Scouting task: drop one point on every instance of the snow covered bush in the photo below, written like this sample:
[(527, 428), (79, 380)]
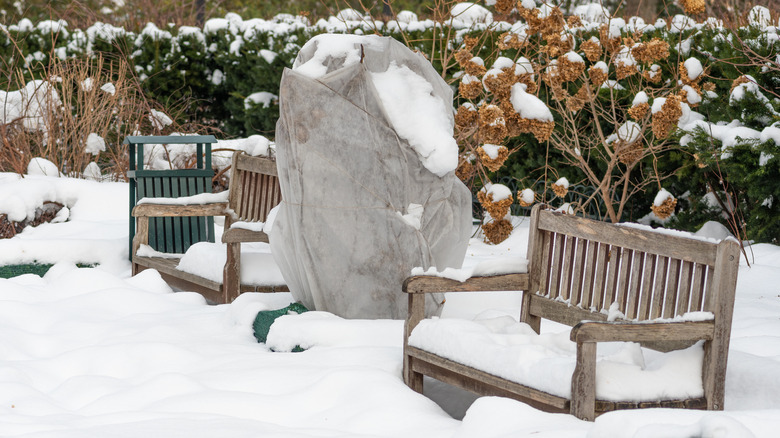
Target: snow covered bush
[(76, 117), (619, 107)]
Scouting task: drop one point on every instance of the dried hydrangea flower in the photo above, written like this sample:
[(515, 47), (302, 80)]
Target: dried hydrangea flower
[(467, 116), (465, 170), (663, 205), (666, 113), (592, 49), (470, 87), (497, 231), (492, 156), (693, 7), (561, 187)]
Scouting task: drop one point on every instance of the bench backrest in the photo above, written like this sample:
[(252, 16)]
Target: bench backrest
[(171, 234), (582, 267), (254, 187)]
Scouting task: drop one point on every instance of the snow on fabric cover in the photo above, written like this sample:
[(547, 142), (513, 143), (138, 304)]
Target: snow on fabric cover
[(368, 191), (506, 348)]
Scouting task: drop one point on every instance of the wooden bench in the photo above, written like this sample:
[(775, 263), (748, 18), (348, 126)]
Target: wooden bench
[(253, 192), (577, 269)]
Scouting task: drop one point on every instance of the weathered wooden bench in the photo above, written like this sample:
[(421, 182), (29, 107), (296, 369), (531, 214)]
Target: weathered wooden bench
[(578, 269), (253, 192)]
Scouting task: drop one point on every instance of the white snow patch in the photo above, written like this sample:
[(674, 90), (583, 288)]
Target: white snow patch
[(418, 116), (529, 106)]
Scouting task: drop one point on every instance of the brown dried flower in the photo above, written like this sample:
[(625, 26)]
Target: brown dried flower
[(592, 49), (466, 117), (597, 76), (574, 21), (500, 84), (463, 56), (576, 102), (665, 120), (475, 67), (493, 164), (497, 231), (470, 87), (653, 75), (693, 6), (738, 81), (465, 170), (570, 66), (469, 43), (497, 210), (624, 70), (560, 190), (651, 51), (509, 40), (504, 7), (492, 125), (638, 112), (490, 114), (666, 209), (541, 130), (708, 86), (628, 153), (528, 80)]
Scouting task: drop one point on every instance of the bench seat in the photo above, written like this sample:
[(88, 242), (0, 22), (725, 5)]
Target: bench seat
[(513, 351)]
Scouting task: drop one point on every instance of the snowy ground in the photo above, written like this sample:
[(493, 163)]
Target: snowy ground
[(95, 352)]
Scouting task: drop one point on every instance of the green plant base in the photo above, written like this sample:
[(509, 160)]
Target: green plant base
[(264, 319), (39, 269)]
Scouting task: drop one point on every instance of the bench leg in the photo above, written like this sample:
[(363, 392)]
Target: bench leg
[(412, 379), (583, 382), (415, 314), (714, 375), (231, 277)]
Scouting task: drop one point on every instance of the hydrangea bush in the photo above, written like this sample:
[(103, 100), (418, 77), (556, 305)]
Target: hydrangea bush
[(625, 110)]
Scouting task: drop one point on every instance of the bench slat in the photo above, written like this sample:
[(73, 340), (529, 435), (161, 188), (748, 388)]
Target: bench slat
[(556, 266), (429, 284), (589, 269), (659, 287), (561, 312), (568, 268), (698, 286), (647, 286), (600, 280), (633, 238), (577, 275), (623, 278), (707, 305), (610, 291), (634, 285), (684, 292), (546, 243), (672, 287)]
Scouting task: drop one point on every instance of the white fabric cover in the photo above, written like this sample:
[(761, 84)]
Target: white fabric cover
[(340, 238)]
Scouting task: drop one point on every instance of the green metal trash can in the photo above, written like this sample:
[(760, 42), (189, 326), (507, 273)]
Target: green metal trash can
[(171, 234)]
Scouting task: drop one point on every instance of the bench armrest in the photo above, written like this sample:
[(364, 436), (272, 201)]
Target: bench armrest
[(599, 331), (239, 235), (170, 210), (421, 284)]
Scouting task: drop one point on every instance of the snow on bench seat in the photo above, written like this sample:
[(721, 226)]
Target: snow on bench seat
[(512, 350)]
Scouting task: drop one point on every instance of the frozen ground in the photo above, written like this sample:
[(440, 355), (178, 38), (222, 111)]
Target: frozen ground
[(94, 352)]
